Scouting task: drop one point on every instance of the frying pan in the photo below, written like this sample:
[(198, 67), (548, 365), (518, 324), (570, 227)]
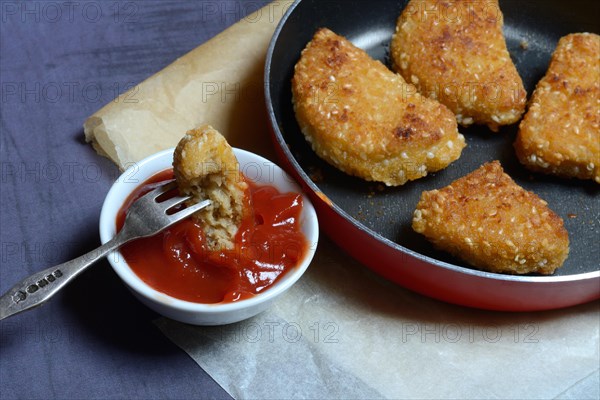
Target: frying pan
[(373, 223)]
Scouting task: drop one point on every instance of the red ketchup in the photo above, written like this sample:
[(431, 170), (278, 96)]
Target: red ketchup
[(268, 244)]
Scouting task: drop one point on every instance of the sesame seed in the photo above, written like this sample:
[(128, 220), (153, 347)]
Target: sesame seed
[(418, 214)]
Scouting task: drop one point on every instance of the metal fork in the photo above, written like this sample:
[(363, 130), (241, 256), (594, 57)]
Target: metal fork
[(146, 217)]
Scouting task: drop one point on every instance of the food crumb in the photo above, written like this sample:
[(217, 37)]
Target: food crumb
[(572, 216), (315, 174), (524, 44), (360, 216)]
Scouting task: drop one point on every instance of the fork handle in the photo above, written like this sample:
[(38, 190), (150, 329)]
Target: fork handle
[(36, 289)]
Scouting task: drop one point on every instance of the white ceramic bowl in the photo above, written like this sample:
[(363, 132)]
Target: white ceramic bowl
[(256, 168)]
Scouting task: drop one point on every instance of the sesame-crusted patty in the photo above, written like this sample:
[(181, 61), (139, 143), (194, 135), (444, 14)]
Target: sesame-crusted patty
[(206, 168), (492, 223), (455, 52), (366, 120), (560, 133)]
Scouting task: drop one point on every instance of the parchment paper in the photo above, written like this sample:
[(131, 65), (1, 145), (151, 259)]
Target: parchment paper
[(219, 83), (341, 332)]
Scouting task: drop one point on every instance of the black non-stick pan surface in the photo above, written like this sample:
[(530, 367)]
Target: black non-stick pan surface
[(532, 30)]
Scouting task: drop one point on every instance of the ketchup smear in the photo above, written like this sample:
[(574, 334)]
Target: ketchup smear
[(268, 244)]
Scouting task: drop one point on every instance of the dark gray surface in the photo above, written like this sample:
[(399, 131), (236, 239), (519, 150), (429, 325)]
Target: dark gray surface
[(388, 211), (59, 63)]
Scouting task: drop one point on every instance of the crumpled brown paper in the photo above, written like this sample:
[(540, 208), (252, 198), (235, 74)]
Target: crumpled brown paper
[(341, 332)]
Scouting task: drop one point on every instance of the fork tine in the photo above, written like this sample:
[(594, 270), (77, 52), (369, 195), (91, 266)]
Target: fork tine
[(172, 202), (170, 185), (186, 212)]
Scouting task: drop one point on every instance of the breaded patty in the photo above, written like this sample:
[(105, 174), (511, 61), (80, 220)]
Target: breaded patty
[(492, 223), (560, 133), (455, 52), (366, 120), (206, 168)]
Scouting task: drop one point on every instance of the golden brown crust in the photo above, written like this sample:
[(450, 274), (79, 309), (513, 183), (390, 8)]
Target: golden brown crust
[(492, 223), (364, 119), (206, 168), (560, 133), (455, 52)]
